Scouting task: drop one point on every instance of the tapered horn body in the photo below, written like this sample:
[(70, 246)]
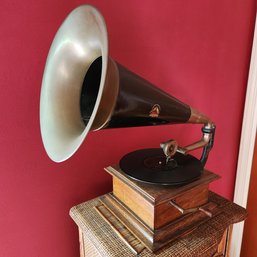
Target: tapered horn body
[(139, 103), (83, 89)]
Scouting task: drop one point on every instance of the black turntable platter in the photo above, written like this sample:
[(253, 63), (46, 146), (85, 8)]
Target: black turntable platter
[(149, 166)]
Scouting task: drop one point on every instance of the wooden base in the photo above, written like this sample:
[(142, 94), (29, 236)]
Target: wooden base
[(99, 237), (157, 215), (155, 239)]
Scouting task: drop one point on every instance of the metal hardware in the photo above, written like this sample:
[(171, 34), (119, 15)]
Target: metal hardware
[(190, 210), (206, 142)]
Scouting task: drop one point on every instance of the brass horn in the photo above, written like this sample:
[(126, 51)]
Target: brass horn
[(83, 89)]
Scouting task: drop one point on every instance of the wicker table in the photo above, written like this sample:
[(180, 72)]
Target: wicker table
[(98, 238)]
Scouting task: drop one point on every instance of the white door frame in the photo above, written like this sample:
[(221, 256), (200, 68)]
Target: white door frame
[(246, 150)]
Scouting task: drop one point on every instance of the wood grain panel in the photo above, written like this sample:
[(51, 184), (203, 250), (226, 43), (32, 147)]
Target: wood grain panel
[(152, 203), (138, 204)]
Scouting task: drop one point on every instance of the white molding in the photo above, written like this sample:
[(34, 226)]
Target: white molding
[(247, 141)]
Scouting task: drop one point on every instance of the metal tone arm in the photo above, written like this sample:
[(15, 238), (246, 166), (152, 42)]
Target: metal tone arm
[(206, 142)]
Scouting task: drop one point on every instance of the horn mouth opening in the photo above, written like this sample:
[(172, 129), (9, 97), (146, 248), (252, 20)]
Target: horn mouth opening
[(73, 82), (90, 89)]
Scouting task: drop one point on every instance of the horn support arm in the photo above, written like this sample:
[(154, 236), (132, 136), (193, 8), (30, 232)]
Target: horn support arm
[(206, 142)]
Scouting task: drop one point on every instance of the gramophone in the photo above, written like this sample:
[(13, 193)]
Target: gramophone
[(84, 90)]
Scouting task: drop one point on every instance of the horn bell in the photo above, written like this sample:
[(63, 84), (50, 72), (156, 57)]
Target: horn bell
[(80, 47)]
